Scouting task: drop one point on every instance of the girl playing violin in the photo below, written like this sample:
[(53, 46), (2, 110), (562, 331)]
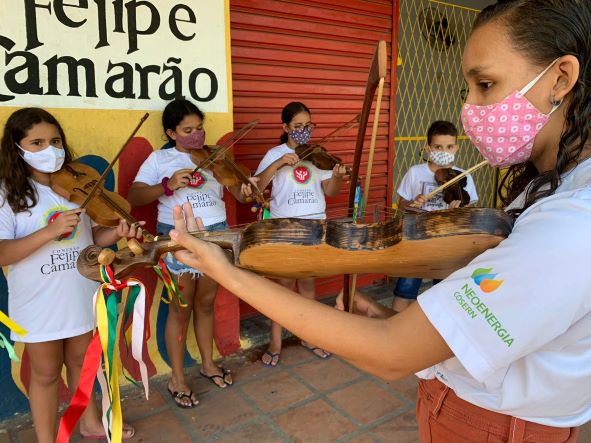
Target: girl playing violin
[(171, 177), (503, 344), (299, 190), (41, 235)]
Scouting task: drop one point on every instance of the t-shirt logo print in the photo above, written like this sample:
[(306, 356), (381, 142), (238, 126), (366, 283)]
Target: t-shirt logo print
[(302, 175), (198, 180), (54, 213), (483, 278)]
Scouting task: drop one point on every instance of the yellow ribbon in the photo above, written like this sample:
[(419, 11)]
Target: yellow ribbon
[(11, 324)]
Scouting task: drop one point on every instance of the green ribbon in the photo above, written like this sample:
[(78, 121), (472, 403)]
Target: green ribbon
[(5, 344)]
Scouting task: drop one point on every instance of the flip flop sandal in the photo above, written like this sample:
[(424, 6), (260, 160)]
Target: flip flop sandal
[(179, 395), (128, 433), (225, 372), (274, 358), (314, 350)]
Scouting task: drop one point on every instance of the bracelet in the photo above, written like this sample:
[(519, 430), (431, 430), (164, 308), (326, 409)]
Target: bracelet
[(167, 191)]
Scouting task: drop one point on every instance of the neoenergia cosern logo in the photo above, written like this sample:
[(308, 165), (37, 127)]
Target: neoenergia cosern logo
[(479, 308), (486, 280)]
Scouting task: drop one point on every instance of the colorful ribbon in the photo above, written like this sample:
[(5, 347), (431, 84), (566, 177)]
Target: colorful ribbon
[(173, 291), (357, 203), (4, 342), (106, 301)]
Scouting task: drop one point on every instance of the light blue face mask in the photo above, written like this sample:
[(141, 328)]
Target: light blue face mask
[(48, 160)]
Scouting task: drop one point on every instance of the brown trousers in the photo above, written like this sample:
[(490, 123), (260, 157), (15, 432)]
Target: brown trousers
[(443, 417)]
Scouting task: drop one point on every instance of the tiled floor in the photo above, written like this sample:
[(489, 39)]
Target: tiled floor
[(303, 399)]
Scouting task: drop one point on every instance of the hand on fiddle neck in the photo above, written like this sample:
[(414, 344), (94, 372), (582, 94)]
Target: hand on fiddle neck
[(245, 192), (332, 187), (207, 257), (104, 236)]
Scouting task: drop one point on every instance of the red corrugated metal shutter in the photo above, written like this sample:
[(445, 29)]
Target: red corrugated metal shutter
[(317, 52)]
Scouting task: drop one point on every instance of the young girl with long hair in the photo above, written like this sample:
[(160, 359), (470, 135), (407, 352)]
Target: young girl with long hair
[(503, 345), (299, 190), (41, 236), (170, 176)]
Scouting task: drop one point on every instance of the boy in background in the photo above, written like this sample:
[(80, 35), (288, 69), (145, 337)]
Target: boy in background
[(441, 149)]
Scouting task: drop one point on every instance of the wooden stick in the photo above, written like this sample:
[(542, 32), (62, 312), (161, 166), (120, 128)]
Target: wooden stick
[(372, 144), (110, 167), (457, 178), (372, 148)]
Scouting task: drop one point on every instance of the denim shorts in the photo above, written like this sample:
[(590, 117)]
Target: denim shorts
[(408, 288), (175, 266)]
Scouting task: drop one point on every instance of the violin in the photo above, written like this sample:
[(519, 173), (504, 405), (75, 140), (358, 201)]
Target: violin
[(456, 191), (427, 245), (75, 181), (220, 161), (83, 185), (319, 156)]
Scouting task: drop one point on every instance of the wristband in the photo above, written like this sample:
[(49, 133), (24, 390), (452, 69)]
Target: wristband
[(167, 191)]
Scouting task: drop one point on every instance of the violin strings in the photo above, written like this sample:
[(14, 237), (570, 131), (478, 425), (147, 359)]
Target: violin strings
[(126, 215)]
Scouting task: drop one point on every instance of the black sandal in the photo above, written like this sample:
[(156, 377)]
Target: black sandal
[(225, 373), (179, 395)]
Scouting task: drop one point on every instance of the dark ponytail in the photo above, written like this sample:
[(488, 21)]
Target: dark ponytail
[(288, 113), (545, 30)]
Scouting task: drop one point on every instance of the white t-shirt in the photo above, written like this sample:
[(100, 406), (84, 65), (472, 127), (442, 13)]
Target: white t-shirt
[(419, 179), (522, 336), (297, 192), (46, 294), (205, 193)]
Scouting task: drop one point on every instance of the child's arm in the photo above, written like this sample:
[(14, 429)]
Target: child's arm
[(109, 236), (419, 201), (332, 186), (13, 251), (267, 175), (142, 193)]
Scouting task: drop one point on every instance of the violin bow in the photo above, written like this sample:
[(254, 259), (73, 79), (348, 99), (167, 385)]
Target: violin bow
[(110, 167), (350, 124), (375, 80), (227, 144), (448, 183), (223, 148)]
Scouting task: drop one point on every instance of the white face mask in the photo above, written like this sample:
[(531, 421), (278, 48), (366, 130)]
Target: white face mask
[(442, 158), (48, 160)]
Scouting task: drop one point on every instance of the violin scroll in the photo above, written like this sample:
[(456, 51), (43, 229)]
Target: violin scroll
[(125, 260)]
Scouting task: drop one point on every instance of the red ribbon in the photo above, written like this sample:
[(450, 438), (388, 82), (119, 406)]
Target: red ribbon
[(92, 361)]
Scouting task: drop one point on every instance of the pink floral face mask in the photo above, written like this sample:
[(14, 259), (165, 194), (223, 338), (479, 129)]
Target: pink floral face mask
[(504, 132), (194, 140)]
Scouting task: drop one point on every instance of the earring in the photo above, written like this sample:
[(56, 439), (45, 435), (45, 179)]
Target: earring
[(555, 102)]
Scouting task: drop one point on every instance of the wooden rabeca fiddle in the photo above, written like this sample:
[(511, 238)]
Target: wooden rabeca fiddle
[(84, 185), (220, 161), (427, 245), (456, 191)]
